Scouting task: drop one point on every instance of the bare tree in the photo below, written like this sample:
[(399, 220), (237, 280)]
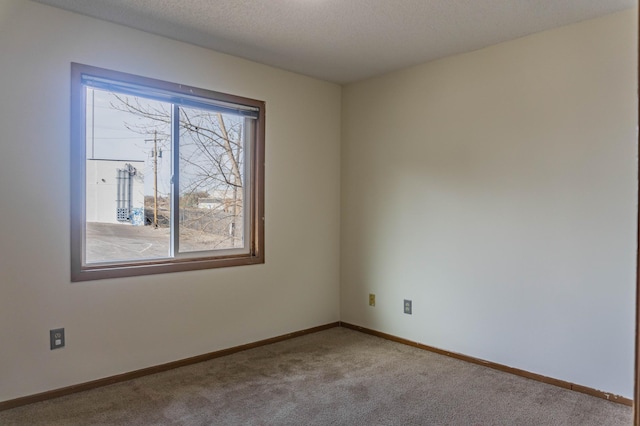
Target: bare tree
[(211, 165)]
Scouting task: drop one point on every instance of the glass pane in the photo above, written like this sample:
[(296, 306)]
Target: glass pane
[(128, 171), (211, 180)]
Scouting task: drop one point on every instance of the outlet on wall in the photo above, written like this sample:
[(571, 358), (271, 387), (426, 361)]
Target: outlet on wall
[(56, 338), (407, 306), (372, 299)]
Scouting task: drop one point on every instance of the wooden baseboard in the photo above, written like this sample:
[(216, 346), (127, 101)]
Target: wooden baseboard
[(523, 373), (13, 403)]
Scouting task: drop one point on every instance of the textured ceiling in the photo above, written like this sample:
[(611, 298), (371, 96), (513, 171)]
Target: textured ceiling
[(343, 40)]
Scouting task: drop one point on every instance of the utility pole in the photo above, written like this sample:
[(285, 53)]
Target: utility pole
[(155, 178)]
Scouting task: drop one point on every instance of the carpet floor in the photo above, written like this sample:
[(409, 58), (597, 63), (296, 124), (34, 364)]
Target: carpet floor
[(334, 377)]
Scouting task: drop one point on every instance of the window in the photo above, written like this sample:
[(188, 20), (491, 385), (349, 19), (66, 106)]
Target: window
[(164, 177)]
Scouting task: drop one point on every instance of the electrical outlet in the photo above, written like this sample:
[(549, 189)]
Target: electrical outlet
[(372, 299), (407, 306), (56, 338)]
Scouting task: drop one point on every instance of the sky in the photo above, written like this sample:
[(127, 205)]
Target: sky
[(108, 137), (116, 131)]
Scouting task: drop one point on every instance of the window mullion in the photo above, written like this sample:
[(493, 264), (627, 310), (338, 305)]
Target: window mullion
[(175, 181)]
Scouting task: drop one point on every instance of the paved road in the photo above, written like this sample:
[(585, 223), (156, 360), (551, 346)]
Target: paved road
[(112, 241)]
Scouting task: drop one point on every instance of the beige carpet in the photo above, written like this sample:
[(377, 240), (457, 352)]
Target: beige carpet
[(334, 377)]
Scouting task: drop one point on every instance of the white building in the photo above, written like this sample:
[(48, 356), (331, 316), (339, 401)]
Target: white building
[(115, 191), (221, 200)]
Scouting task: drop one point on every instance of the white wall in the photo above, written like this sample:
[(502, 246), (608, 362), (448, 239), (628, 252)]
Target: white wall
[(120, 325), (497, 190)]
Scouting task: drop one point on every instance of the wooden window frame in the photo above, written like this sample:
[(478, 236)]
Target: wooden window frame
[(255, 240)]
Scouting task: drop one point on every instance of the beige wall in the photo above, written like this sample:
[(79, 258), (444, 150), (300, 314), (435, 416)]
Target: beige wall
[(119, 325), (497, 190)]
